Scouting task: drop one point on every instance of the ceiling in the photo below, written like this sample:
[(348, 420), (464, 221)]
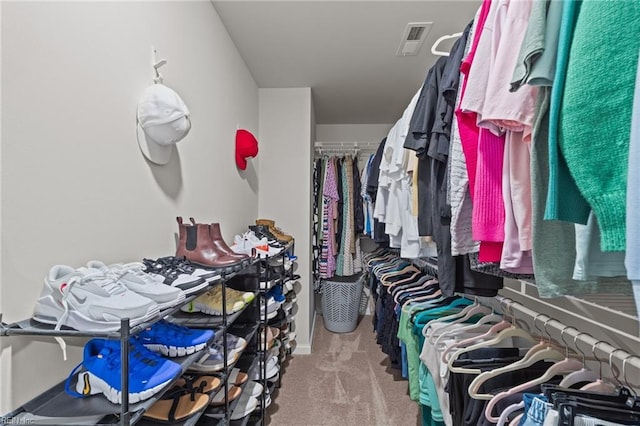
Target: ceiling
[(344, 50)]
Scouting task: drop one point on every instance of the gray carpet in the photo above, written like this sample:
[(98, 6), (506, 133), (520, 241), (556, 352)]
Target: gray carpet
[(345, 381)]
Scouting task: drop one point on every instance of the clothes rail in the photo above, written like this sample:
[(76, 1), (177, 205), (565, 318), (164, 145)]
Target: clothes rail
[(346, 144), (627, 362), (427, 265), (339, 147)]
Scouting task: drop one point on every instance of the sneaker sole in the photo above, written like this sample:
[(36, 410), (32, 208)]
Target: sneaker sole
[(171, 303), (90, 384), (189, 288), (229, 269), (173, 351)]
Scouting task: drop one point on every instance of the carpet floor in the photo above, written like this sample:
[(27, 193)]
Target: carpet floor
[(345, 381)]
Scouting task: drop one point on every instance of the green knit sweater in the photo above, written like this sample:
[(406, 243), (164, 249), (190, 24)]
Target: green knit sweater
[(596, 110)]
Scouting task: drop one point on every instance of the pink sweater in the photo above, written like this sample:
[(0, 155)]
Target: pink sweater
[(483, 151)]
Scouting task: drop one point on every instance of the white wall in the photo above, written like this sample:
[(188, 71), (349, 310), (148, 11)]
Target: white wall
[(75, 186), (286, 136), (352, 132)]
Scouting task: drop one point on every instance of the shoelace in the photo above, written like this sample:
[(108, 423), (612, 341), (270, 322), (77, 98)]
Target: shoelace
[(140, 359), (104, 281), (179, 264), (160, 268), (74, 278), (134, 268)]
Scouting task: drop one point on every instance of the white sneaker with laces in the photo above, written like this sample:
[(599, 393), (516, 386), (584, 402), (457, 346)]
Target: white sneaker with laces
[(248, 241), (88, 300), (132, 275)]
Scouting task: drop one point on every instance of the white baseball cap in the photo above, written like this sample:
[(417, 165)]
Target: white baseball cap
[(163, 120)]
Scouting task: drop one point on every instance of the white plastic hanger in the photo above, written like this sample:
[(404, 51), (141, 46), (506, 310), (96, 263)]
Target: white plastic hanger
[(479, 326), (502, 421), (437, 52), (624, 375), (543, 351), (582, 375), (424, 282), (545, 354), (462, 316), (510, 332), (599, 385), (416, 300), (476, 342), (409, 268), (566, 365), (516, 420)]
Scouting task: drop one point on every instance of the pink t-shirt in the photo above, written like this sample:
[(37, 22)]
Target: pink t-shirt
[(503, 109), (513, 113)]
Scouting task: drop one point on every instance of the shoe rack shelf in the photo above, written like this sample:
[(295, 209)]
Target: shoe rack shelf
[(214, 413), (274, 274), (56, 402)]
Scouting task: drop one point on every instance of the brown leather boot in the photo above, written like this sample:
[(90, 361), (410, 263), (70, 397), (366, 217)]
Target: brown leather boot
[(218, 241), (279, 234), (196, 246)]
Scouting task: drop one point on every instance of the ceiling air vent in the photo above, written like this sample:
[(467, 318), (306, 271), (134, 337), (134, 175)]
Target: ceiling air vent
[(413, 37)]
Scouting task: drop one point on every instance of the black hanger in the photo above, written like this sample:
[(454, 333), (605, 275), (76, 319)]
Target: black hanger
[(569, 410)]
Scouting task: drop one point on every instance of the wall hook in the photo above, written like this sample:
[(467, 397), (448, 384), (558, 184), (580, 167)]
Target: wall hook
[(156, 64)]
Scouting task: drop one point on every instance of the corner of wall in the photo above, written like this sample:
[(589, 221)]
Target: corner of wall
[(285, 129)]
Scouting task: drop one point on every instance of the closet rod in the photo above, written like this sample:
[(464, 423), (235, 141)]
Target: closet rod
[(569, 334), (346, 146)]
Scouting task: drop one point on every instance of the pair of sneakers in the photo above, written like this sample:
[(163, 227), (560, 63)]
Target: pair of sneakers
[(250, 244), (210, 302), (179, 272), (97, 297), (100, 371)]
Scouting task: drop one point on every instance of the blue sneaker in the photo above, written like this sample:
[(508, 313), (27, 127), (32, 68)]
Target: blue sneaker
[(148, 371), (276, 293), (173, 340)]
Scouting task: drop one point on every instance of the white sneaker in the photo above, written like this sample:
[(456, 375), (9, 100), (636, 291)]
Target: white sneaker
[(288, 286), (89, 300), (272, 369), (166, 270), (253, 389), (248, 241), (272, 308), (245, 405), (138, 281)]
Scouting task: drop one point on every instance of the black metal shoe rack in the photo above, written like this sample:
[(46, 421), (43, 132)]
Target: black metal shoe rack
[(55, 402), (270, 274)]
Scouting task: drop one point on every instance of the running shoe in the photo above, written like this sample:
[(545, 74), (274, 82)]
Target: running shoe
[(174, 340), (169, 274), (89, 300), (210, 302), (148, 371), (132, 275)]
